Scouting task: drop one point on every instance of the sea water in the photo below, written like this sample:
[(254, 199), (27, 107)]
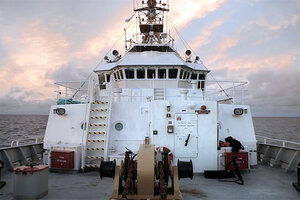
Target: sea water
[(13, 127)]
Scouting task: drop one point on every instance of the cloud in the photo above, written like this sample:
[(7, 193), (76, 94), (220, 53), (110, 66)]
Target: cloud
[(38, 55), (109, 33), (275, 92), (205, 35), (34, 54), (182, 12), (278, 25), (15, 102)]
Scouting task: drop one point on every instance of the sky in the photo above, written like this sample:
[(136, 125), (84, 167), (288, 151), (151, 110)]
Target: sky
[(257, 41)]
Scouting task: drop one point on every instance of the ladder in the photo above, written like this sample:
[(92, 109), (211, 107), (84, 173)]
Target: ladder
[(96, 135), (159, 93)]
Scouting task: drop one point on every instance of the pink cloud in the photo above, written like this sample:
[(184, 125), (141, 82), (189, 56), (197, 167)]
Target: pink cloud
[(182, 12), (34, 54), (278, 25), (205, 35)]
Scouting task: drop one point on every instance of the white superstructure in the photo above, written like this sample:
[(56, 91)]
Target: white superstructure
[(150, 92)]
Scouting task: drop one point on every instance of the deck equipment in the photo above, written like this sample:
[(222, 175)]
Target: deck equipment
[(150, 176)]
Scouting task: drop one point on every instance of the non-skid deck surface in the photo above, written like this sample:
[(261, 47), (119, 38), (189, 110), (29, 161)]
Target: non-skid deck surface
[(261, 183)]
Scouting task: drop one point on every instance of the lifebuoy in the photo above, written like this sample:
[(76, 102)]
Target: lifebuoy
[(166, 149)]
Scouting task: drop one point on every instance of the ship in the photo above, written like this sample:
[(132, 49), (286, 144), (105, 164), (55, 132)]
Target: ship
[(154, 96)]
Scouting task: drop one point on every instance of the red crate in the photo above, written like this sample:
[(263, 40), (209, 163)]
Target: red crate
[(241, 160), (62, 159)]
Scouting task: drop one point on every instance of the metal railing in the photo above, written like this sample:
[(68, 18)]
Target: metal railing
[(75, 90), (278, 142), (26, 141), (86, 91)]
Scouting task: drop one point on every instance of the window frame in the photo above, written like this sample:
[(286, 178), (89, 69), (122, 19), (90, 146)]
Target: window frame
[(169, 73), (155, 72), (165, 74), (140, 68)]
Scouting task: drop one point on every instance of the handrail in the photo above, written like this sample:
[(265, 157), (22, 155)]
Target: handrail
[(17, 142), (283, 142)]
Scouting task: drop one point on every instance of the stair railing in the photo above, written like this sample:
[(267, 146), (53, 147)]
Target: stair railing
[(110, 100), (91, 88)]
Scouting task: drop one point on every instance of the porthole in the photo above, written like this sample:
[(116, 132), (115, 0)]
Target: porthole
[(119, 126)]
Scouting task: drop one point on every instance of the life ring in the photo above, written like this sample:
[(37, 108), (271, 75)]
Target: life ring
[(166, 149)]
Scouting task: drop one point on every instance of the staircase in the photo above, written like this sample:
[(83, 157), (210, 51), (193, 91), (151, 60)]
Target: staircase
[(96, 135), (159, 93)]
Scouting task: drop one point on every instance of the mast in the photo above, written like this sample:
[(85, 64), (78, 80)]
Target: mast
[(151, 17)]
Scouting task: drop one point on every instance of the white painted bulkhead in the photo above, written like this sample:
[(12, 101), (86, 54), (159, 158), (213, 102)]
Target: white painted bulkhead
[(149, 119), (65, 132)]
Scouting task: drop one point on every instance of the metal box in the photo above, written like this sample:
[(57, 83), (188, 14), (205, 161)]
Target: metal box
[(241, 160), (30, 182), (62, 159)]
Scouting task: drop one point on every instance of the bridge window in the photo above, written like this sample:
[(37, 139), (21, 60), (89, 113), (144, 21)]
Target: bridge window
[(107, 78), (185, 75), (151, 73), (188, 75), (121, 74), (162, 73), (140, 73), (201, 76), (101, 81), (181, 74), (194, 76), (173, 73), (129, 73), (118, 74)]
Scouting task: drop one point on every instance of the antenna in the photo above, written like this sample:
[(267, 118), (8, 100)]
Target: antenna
[(125, 36), (151, 17)]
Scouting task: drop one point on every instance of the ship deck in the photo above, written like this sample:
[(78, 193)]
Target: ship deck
[(262, 182)]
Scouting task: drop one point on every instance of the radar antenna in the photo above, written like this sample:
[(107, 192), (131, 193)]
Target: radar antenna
[(151, 17)]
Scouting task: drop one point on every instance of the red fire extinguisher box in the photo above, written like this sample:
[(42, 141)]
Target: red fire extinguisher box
[(62, 159), (241, 160)]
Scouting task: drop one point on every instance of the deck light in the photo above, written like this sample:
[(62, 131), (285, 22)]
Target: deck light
[(238, 111), (60, 111), (188, 52), (115, 53)]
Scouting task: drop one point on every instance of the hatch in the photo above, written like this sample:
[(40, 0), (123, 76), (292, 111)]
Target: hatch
[(186, 135)]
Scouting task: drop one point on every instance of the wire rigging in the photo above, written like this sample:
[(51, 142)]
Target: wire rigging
[(187, 46), (100, 62)]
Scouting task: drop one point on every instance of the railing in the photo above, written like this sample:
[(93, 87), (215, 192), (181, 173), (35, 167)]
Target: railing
[(86, 91), (277, 142), (138, 38), (26, 141), (75, 90), (224, 90), (232, 91)]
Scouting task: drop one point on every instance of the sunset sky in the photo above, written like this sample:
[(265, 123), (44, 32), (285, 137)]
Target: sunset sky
[(61, 40)]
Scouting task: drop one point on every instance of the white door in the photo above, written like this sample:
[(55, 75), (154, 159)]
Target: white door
[(186, 135)]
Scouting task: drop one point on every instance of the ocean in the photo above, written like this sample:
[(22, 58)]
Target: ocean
[(13, 127)]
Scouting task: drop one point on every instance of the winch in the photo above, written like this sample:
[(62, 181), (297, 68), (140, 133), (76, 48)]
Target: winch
[(150, 174)]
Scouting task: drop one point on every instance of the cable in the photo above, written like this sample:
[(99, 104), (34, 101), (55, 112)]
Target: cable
[(187, 46), (100, 62)]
